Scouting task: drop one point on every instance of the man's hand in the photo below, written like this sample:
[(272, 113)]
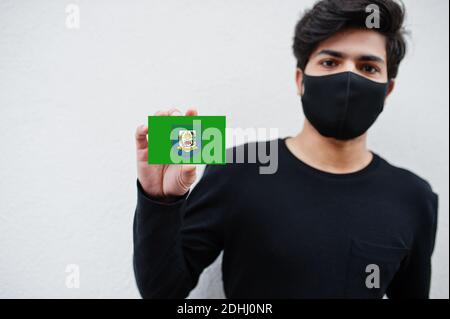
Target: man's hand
[(163, 182)]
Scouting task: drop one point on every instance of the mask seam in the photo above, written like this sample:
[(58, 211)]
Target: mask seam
[(347, 98)]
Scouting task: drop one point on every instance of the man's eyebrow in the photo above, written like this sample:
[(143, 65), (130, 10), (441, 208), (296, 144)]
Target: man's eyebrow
[(370, 58), (336, 54), (341, 55)]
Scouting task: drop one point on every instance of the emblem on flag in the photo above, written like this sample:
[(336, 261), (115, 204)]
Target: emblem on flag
[(187, 140)]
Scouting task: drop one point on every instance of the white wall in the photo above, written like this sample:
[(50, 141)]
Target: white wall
[(70, 100)]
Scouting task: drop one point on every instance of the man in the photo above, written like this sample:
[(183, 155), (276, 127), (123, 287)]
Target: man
[(335, 221)]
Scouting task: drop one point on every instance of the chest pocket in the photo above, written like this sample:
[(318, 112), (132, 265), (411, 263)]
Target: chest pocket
[(371, 268)]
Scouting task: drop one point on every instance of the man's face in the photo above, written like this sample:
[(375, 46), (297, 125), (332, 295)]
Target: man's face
[(353, 50)]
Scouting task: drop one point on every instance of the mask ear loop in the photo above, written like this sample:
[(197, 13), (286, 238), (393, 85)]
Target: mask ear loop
[(302, 86), (386, 93), (299, 93)]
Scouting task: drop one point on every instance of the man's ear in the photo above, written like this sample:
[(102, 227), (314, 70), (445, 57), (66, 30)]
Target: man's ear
[(391, 87), (299, 81)]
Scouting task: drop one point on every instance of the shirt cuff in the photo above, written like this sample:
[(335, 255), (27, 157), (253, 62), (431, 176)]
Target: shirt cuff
[(152, 214), (142, 195)]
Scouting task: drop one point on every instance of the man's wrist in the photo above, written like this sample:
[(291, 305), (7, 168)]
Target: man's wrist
[(160, 199)]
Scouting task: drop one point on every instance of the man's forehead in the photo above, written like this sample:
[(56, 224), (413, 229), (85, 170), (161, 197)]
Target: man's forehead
[(355, 43)]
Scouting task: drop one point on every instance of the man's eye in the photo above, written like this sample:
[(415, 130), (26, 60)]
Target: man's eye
[(370, 69), (329, 63)]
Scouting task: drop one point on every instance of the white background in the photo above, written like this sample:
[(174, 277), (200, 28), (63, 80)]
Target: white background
[(71, 99)]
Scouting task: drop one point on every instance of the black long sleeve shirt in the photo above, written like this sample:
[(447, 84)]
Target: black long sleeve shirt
[(298, 233)]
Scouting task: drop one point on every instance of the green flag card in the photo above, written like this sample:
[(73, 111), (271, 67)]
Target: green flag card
[(186, 140)]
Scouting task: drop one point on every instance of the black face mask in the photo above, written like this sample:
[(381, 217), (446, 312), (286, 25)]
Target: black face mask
[(344, 105)]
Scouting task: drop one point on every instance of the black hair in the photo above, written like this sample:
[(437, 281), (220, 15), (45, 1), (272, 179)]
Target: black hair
[(328, 17)]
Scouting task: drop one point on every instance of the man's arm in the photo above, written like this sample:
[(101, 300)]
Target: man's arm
[(174, 242), (413, 279)]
